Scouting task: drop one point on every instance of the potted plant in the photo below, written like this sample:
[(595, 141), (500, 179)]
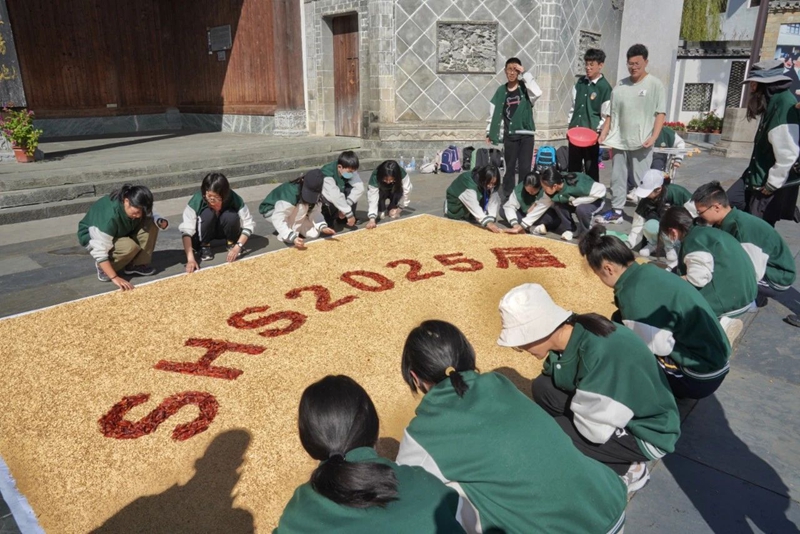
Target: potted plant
[(677, 126), (712, 123), (17, 127)]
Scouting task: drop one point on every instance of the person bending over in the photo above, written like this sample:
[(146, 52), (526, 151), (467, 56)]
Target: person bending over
[(528, 209), (473, 195), (389, 187), (342, 190), (574, 194)]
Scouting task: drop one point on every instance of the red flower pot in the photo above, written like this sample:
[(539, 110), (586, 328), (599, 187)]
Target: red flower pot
[(22, 155)]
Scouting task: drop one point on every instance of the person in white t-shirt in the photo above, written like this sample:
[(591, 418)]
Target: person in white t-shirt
[(638, 110)]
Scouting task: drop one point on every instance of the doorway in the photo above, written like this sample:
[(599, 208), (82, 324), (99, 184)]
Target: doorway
[(345, 75)]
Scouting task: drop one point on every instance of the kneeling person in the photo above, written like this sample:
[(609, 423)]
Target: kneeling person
[(655, 198), (473, 194), (528, 209), (389, 187)]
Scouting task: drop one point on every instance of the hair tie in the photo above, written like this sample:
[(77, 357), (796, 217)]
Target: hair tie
[(334, 454), (449, 371)]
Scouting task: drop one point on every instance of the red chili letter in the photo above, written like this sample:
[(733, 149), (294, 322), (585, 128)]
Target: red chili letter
[(383, 282), (203, 367), (296, 320), (526, 258), (413, 275), (324, 303), (453, 259), (113, 424)]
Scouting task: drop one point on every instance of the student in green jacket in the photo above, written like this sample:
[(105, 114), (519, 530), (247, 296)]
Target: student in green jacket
[(591, 104), (120, 231), (669, 314), (511, 111), (294, 208), (389, 187), (771, 257), (713, 262), (768, 188), (656, 197), (528, 209), (599, 382), (574, 193), (342, 190), (505, 455), (353, 490), (474, 194), (215, 212)]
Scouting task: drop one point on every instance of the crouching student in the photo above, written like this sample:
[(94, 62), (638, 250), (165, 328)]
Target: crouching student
[(528, 209), (572, 194), (600, 382), (353, 490), (342, 190), (389, 187), (295, 211), (120, 231), (656, 197), (474, 194), (480, 435), (669, 314), (713, 262), (773, 261), (215, 212)]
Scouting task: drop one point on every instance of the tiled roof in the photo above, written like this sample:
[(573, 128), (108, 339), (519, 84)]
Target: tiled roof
[(718, 49), (783, 6)]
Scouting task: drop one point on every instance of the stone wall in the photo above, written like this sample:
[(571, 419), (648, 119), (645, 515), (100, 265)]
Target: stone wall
[(775, 18)]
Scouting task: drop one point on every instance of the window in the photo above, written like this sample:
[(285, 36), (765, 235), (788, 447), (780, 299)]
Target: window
[(754, 3), (734, 97), (697, 96)]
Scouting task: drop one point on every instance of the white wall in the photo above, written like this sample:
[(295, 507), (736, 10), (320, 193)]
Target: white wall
[(694, 70), (739, 21)]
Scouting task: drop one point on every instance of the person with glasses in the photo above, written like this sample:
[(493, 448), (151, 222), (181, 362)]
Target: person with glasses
[(511, 112), (120, 231), (600, 382), (638, 110), (214, 212)]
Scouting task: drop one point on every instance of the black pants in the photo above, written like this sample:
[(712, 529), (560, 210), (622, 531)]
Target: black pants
[(551, 220), (518, 153), (685, 387), (583, 213), (781, 205), (390, 197), (331, 212), (585, 160), (618, 453), (225, 225)]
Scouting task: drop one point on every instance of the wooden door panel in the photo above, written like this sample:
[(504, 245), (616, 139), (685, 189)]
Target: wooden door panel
[(346, 75)]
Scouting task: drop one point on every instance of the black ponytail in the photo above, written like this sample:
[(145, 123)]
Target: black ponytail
[(390, 168), (436, 350), (597, 247), (337, 416), (550, 176), (483, 176), (139, 197), (593, 322)]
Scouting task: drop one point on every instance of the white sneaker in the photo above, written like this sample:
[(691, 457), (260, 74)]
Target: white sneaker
[(732, 327), (567, 236), (540, 230), (637, 477), (644, 252)]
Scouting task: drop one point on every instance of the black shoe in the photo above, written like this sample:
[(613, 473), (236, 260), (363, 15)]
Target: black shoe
[(761, 300), (793, 320), (140, 270), (206, 254)]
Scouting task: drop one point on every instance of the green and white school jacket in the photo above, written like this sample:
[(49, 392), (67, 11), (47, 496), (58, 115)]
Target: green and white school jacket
[(287, 214), (333, 188), (648, 209), (584, 191), (511, 461), (191, 214), (667, 138), (522, 122), (534, 206), (717, 264), (770, 255), (591, 103), (673, 319), (424, 504), (616, 384), (775, 147), (105, 222), (374, 193), (464, 197)]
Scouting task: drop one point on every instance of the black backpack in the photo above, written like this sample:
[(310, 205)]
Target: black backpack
[(488, 156), (466, 158), (562, 158)]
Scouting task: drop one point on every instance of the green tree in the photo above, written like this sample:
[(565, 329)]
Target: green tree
[(701, 19)]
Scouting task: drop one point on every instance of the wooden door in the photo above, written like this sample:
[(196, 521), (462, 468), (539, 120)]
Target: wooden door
[(345, 75)]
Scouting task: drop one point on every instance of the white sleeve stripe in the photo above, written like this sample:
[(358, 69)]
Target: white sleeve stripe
[(598, 416), (699, 268), (660, 342)]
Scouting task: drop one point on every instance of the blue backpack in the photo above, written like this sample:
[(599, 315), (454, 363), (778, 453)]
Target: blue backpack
[(546, 156), (451, 161)]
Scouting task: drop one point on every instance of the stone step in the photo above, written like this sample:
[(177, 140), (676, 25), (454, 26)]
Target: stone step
[(82, 203), (36, 176)]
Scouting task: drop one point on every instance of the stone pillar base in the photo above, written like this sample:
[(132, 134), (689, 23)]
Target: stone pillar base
[(737, 135), (290, 123)]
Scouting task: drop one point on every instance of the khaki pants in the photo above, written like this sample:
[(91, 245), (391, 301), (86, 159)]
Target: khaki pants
[(136, 250)]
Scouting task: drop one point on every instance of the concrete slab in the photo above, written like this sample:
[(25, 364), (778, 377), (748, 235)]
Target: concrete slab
[(17, 264)]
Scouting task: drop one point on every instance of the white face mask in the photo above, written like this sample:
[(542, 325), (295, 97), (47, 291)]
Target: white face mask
[(669, 242)]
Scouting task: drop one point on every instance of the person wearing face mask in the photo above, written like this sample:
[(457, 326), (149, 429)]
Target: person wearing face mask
[(599, 381), (389, 187), (120, 231), (473, 194), (769, 186), (342, 190), (512, 108), (669, 314), (638, 110), (716, 264)]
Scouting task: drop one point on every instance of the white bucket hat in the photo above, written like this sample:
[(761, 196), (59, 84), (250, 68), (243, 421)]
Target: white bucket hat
[(528, 314), (652, 180)]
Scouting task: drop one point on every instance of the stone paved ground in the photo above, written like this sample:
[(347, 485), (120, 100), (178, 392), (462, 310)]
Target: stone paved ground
[(737, 467)]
